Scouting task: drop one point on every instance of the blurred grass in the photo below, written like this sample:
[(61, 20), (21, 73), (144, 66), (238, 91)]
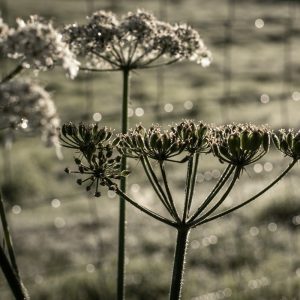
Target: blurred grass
[(69, 252)]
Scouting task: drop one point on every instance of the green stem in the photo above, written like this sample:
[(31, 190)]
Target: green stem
[(228, 211), (193, 181), (156, 186), (12, 278), (122, 211), (179, 261), (169, 195), (7, 237), (13, 73), (214, 192), (210, 211), (146, 210), (187, 188)]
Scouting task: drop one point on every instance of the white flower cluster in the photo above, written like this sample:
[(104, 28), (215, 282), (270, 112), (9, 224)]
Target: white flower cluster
[(27, 106), (135, 41), (37, 45)]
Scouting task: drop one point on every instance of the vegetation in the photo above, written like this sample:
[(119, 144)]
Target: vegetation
[(254, 258)]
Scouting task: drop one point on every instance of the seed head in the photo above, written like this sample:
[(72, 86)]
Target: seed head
[(288, 142), (240, 144)]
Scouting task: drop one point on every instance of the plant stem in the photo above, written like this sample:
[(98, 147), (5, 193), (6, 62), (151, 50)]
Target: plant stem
[(179, 261), (122, 211), (187, 188), (167, 188), (228, 211), (12, 278), (225, 176), (7, 237), (156, 186), (13, 73), (223, 198)]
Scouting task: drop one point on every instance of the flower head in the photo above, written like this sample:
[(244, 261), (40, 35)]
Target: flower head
[(136, 40), (288, 142), (27, 106), (96, 158), (240, 144), (38, 45), (154, 142), (87, 139), (195, 136)]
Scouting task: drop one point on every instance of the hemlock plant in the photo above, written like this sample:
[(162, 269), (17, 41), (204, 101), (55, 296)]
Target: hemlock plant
[(235, 146), (134, 41)]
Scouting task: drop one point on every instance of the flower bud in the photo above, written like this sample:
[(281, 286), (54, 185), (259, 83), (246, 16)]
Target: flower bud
[(116, 141), (276, 141), (234, 143), (296, 148), (284, 145), (245, 141), (67, 170), (266, 141), (255, 140), (153, 139), (215, 149), (125, 173), (290, 139), (77, 161)]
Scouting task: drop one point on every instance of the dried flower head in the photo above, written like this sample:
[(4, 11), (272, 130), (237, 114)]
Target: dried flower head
[(96, 158), (27, 106), (240, 144), (288, 142), (154, 143), (136, 40), (86, 138), (195, 136), (38, 45)]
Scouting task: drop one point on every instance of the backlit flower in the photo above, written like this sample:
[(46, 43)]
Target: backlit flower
[(136, 40), (38, 45)]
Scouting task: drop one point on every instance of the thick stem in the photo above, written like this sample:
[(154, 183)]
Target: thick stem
[(179, 261), (122, 211), (12, 278)]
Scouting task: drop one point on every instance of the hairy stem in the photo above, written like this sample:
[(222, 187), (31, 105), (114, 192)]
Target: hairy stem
[(179, 261)]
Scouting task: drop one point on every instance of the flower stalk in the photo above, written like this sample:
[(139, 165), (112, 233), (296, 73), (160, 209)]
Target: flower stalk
[(179, 262), (9, 265), (122, 205)]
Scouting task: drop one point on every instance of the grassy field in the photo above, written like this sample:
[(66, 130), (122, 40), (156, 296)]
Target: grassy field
[(66, 241)]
